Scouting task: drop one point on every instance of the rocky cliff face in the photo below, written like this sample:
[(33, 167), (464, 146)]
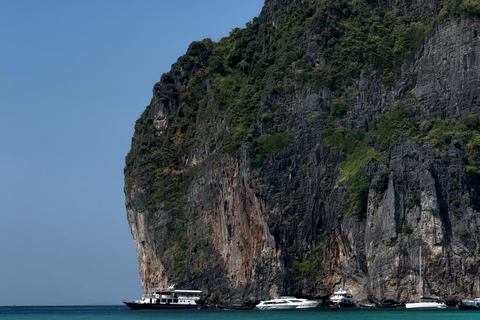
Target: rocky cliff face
[(250, 188)]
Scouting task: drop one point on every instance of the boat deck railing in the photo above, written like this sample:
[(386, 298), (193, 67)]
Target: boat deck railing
[(177, 295)]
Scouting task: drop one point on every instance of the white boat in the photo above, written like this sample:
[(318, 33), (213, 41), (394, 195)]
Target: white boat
[(286, 303), (342, 298), (424, 302), (170, 298)]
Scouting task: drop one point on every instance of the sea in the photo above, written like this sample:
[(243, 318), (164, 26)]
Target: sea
[(124, 313)]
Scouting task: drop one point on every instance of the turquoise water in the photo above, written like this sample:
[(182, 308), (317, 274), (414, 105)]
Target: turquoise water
[(123, 313)]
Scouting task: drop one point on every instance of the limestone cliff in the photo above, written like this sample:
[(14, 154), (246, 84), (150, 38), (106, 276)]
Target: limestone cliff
[(316, 149)]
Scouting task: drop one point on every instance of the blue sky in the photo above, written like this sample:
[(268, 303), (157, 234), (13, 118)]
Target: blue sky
[(74, 77)]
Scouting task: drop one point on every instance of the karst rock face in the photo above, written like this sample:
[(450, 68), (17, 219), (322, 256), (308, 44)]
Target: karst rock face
[(263, 166)]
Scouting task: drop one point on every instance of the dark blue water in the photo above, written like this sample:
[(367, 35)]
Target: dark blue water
[(123, 313)]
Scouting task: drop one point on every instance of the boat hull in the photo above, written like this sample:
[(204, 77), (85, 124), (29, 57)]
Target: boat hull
[(284, 307), (161, 306), (463, 307), (287, 303), (333, 307), (287, 307), (425, 305), (347, 304), (343, 304), (468, 305), (390, 306)]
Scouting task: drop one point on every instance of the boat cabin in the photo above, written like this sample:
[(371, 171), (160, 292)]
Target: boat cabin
[(172, 296), (342, 296)]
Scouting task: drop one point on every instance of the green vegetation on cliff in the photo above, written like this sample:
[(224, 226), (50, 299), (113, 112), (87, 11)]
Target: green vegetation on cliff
[(267, 144), (460, 8), (251, 67)]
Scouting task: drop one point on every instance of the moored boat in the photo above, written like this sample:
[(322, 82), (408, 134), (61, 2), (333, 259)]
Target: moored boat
[(426, 303), (468, 304), (342, 298), (287, 303), (333, 307), (367, 305), (389, 304), (169, 298)]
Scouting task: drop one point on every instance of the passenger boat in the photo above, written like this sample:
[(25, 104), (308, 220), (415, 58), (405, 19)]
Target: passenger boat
[(286, 303), (342, 298), (169, 298)]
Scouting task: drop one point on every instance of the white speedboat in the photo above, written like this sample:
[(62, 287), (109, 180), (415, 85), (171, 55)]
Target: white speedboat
[(426, 303), (287, 303), (342, 298)]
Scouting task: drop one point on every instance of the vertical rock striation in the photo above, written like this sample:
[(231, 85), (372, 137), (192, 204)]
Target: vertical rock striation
[(313, 196)]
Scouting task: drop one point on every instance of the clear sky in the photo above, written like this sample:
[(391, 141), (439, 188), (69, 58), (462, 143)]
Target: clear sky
[(74, 77)]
